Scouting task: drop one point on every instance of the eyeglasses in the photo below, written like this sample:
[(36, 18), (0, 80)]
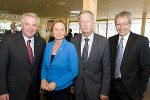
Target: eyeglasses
[(124, 24)]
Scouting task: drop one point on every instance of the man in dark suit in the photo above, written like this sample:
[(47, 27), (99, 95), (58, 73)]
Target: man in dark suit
[(69, 36), (93, 80), (19, 72), (130, 61), (12, 30)]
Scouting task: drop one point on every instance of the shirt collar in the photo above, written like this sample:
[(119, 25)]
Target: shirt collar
[(90, 37), (125, 37), (26, 39)]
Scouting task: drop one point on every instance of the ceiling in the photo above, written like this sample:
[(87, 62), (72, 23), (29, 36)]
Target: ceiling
[(62, 8)]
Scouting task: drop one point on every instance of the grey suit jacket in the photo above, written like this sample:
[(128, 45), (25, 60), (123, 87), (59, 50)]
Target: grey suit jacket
[(96, 74), (135, 65)]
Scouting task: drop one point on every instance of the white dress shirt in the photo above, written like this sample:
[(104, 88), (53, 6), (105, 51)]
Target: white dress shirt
[(89, 43), (31, 44), (124, 41)]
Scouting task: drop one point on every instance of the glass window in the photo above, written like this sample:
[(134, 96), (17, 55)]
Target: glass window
[(136, 26), (111, 29), (5, 25), (101, 28), (75, 27), (147, 29)]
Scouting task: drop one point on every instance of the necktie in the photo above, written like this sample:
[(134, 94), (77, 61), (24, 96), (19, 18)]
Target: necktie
[(14, 32), (119, 59), (30, 51), (85, 51)]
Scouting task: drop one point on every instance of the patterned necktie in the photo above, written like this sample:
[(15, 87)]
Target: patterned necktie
[(119, 59), (30, 51), (85, 51)]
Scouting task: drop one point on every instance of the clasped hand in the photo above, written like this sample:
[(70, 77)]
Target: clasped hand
[(49, 87)]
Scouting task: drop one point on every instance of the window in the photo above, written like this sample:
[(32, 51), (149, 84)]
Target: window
[(136, 26), (111, 29), (101, 28), (5, 25), (147, 29), (75, 27)]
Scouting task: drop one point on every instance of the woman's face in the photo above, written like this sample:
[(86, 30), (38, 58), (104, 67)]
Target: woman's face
[(59, 31)]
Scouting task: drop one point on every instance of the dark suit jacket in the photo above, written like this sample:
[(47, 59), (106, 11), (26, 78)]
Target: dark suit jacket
[(16, 70), (9, 32), (135, 63), (96, 74)]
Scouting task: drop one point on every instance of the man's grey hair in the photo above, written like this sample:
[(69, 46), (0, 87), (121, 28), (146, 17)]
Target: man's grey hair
[(124, 14), (86, 12), (31, 15)]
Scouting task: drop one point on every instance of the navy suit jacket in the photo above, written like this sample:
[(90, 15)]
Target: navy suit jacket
[(135, 66), (16, 70)]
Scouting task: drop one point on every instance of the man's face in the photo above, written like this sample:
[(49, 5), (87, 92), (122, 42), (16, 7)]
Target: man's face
[(122, 26), (86, 24), (49, 25), (13, 26), (29, 26)]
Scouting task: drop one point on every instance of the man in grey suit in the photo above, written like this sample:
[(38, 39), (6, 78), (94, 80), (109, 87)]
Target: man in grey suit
[(93, 80)]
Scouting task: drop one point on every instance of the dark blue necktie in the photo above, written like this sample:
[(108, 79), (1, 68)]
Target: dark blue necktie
[(119, 59)]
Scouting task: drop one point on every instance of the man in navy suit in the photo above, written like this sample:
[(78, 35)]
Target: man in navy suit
[(19, 74), (130, 80)]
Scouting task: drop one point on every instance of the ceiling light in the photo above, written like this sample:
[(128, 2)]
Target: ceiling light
[(75, 12), (73, 15), (64, 3)]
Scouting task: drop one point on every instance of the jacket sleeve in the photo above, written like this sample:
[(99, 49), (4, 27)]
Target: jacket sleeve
[(144, 61), (4, 63), (106, 71)]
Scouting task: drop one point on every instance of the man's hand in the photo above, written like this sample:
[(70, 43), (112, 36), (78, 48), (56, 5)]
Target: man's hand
[(103, 97), (72, 89), (44, 84), (4, 97)]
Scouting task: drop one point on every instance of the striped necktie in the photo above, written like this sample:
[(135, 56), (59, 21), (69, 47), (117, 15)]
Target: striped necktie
[(119, 59), (30, 51)]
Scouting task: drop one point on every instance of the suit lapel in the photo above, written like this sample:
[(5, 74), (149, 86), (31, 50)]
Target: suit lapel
[(78, 46), (114, 46), (60, 49), (22, 46), (36, 48), (93, 47), (128, 46)]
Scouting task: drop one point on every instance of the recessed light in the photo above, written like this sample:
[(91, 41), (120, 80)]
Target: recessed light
[(75, 12), (73, 15)]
